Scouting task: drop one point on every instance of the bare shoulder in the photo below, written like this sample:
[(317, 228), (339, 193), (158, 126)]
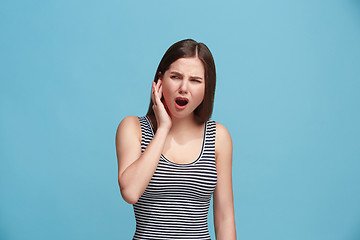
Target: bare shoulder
[(129, 127), (130, 120), (223, 141), (222, 135), (128, 142)]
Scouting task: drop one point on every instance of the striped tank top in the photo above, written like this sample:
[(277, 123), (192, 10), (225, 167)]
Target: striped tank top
[(176, 201)]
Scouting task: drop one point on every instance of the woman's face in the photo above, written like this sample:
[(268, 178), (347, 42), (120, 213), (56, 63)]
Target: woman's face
[(183, 86)]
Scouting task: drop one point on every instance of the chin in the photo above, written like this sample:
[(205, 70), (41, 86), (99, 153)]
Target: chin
[(182, 114)]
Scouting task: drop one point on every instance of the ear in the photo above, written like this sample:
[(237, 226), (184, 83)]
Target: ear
[(160, 76)]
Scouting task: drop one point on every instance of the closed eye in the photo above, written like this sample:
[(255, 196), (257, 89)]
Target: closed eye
[(196, 80)]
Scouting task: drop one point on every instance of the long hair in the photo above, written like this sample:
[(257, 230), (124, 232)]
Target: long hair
[(185, 49)]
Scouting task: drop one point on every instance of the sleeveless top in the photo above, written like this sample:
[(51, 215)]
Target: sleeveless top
[(176, 201)]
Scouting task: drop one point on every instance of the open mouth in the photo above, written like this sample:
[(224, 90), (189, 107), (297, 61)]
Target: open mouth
[(181, 101)]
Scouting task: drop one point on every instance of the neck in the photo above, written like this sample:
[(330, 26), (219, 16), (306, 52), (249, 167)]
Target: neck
[(178, 124), (184, 123)]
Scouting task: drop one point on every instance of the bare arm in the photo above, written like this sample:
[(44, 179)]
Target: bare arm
[(135, 169), (224, 218)]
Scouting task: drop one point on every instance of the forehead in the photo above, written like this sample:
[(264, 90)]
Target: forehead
[(188, 66)]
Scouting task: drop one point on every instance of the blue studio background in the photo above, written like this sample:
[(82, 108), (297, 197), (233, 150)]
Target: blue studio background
[(288, 91)]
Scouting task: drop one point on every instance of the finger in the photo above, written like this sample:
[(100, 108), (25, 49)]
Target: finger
[(160, 91), (153, 93), (158, 85), (158, 102), (154, 85), (156, 94)]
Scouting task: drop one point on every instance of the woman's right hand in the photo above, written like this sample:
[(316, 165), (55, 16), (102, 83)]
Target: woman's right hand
[(163, 119)]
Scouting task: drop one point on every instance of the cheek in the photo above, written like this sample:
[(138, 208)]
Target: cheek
[(201, 93), (165, 93)]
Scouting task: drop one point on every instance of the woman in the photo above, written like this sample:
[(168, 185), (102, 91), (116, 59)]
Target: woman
[(172, 160)]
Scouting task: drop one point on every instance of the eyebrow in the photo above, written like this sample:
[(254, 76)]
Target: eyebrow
[(195, 77)]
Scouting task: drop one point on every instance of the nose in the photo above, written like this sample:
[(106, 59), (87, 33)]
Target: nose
[(183, 87)]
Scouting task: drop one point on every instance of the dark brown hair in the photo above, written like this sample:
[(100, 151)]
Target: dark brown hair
[(185, 49)]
